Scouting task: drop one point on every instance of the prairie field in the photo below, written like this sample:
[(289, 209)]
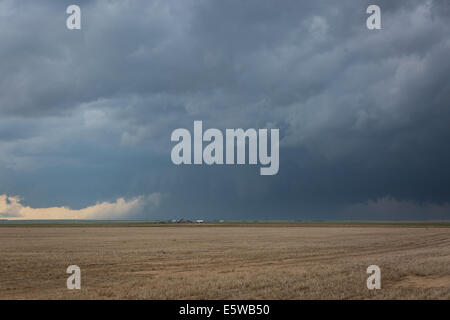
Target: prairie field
[(229, 262)]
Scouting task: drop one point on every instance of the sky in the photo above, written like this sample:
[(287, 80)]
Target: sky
[(363, 115)]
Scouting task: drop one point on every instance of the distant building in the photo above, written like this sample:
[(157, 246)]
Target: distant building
[(180, 221)]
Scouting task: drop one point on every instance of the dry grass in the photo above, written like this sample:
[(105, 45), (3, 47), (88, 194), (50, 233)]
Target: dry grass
[(271, 262)]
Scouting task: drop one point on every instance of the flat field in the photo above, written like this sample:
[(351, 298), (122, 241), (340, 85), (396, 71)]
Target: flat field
[(269, 261)]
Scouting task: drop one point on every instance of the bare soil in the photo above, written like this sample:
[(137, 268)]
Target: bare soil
[(234, 262)]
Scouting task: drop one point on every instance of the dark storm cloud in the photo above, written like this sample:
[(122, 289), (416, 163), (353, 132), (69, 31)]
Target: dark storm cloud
[(86, 115)]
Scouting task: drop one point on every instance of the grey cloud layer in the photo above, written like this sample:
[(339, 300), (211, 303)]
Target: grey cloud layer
[(86, 115)]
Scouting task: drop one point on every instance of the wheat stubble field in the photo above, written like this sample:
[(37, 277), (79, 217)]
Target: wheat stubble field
[(231, 262)]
